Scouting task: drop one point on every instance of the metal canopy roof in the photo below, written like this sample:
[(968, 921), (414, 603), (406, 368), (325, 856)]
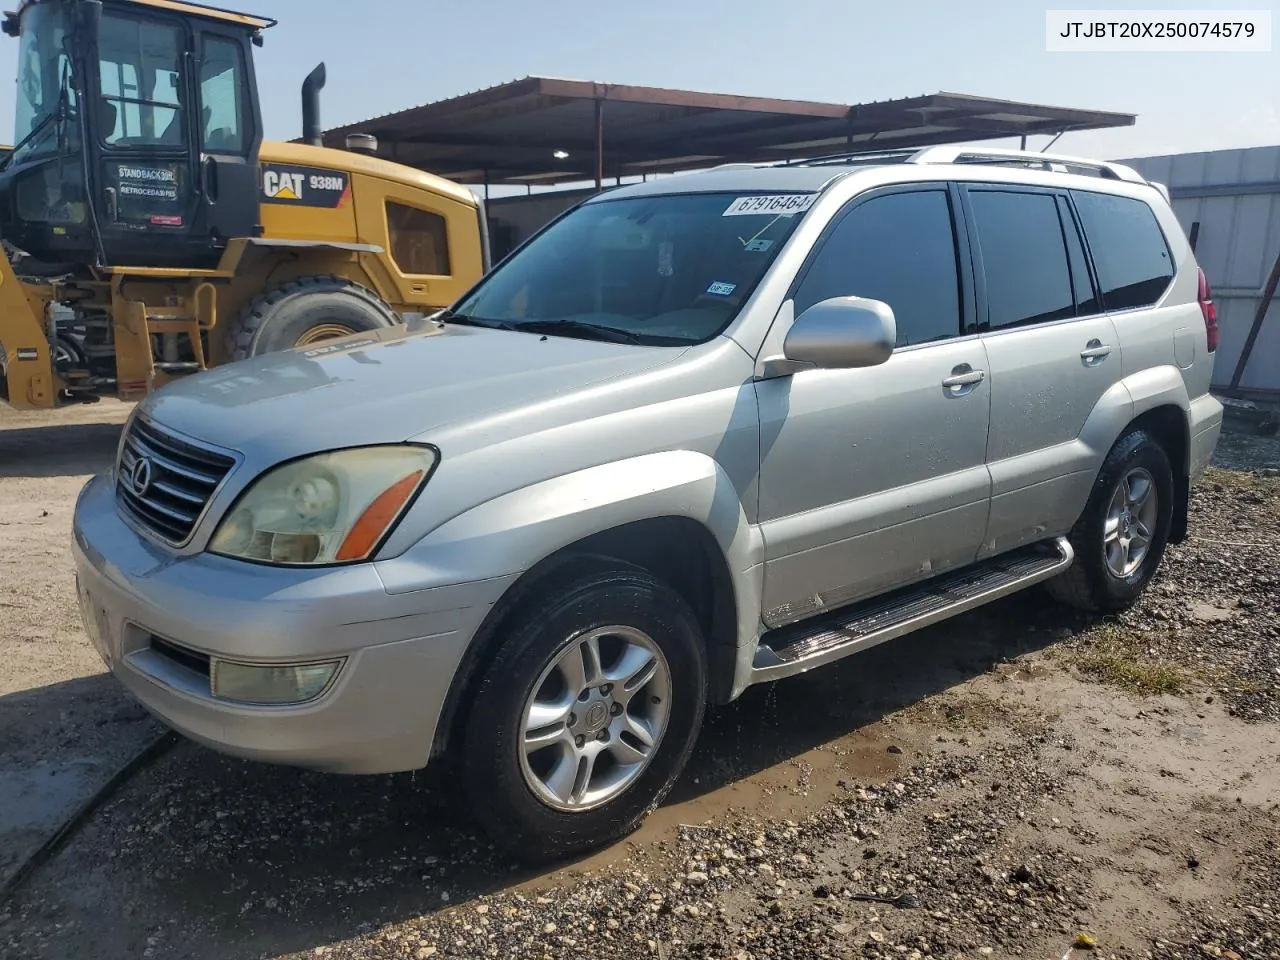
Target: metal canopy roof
[(510, 133)]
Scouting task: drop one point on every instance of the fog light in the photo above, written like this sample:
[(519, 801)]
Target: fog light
[(262, 684)]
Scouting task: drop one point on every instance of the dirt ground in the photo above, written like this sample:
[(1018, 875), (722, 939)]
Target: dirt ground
[(1027, 778)]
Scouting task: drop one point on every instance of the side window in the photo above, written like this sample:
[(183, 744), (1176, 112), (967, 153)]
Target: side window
[(1086, 298), (1129, 251), (899, 248), (222, 85), (419, 240), (1024, 257)]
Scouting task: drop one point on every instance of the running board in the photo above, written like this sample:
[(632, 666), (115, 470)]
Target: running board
[(812, 643)]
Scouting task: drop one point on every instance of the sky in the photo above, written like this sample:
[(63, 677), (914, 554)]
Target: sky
[(386, 55)]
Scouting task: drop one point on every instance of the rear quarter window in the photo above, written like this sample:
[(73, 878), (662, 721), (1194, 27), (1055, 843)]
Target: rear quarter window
[(1130, 253)]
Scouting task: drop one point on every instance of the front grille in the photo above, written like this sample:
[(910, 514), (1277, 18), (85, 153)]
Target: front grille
[(180, 477)]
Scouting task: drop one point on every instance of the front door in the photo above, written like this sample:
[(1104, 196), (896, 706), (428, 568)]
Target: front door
[(140, 118), (875, 477), (1052, 354)]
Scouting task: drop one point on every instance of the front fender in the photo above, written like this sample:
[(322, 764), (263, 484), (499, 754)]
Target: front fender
[(510, 534)]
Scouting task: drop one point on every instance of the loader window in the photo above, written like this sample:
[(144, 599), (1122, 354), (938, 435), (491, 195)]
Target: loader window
[(140, 64), (419, 241), (222, 96), (44, 79)]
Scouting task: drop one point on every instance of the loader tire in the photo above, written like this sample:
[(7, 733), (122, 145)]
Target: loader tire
[(306, 310)]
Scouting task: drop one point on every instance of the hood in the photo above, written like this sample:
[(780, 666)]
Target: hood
[(386, 386)]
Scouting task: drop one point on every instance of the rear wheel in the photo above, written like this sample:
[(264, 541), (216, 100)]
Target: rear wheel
[(586, 716), (305, 311), (1120, 538)]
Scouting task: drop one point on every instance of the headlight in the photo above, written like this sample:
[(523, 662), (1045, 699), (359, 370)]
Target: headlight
[(331, 508), (259, 684)]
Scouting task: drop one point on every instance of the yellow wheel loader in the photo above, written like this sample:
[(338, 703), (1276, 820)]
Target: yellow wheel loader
[(141, 207)]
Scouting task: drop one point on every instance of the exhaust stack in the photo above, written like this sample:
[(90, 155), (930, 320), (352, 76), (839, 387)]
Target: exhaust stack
[(312, 132)]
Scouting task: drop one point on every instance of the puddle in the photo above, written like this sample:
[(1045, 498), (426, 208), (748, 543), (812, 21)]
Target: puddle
[(788, 790)]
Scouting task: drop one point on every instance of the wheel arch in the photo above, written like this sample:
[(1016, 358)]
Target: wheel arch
[(1168, 426), (1162, 406), (677, 548)]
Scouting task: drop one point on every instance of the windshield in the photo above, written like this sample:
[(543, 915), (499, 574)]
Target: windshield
[(660, 270), (44, 71)]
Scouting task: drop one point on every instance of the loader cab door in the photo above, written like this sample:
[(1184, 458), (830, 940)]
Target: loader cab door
[(230, 132), (140, 122), (176, 129)]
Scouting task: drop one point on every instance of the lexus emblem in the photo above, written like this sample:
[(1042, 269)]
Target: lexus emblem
[(140, 477)]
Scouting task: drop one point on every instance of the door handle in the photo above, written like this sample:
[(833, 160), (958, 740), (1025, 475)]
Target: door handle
[(209, 174), (964, 376), (1095, 351)]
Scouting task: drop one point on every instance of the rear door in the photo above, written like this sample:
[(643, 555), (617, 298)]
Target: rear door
[(1052, 352)]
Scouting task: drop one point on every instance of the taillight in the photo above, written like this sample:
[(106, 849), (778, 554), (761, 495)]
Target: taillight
[(1209, 311)]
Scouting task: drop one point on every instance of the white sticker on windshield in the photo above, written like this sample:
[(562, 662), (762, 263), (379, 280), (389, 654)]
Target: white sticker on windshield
[(722, 289), (757, 246), (777, 204)]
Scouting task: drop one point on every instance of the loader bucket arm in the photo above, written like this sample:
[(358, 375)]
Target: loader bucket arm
[(29, 371)]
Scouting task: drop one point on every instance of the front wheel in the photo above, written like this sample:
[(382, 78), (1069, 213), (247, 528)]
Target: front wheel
[(305, 311), (1120, 538), (585, 718)]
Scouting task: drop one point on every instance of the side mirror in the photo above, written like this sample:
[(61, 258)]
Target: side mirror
[(842, 332)]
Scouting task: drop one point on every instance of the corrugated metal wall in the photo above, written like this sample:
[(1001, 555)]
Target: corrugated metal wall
[(1235, 197)]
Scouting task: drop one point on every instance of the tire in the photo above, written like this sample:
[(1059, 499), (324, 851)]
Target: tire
[(500, 779), (1093, 582), (283, 316)]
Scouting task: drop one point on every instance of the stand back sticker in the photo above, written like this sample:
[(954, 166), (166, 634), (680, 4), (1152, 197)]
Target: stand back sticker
[(775, 204)]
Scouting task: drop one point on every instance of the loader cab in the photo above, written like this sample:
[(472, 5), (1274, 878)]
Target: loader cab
[(137, 132)]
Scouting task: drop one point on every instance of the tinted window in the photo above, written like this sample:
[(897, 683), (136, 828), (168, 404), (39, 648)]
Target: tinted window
[(222, 84), (899, 248), (419, 241), (1086, 297), (1129, 251), (1024, 257)]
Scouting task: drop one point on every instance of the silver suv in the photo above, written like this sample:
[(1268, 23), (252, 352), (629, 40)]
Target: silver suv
[(694, 435)]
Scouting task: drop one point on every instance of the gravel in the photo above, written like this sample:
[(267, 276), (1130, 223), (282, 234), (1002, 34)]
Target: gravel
[(1215, 607), (1007, 805)]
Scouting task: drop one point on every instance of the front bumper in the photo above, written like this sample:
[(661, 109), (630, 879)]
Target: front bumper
[(377, 716)]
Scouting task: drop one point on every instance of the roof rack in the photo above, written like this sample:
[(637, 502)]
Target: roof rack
[(1045, 161), (832, 159), (850, 158)]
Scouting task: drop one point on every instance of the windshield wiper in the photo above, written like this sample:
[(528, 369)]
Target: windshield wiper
[(465, 320), (59, 113), (596, 331), (38, 129)]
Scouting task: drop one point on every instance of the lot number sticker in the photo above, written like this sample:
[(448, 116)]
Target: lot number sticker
[(778, 204)]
